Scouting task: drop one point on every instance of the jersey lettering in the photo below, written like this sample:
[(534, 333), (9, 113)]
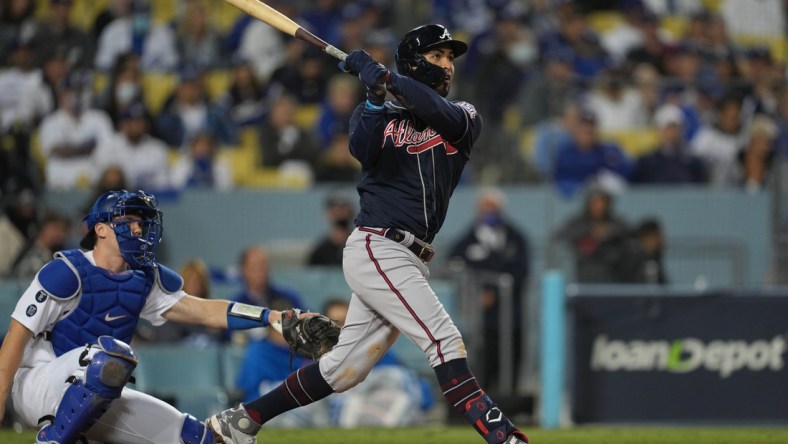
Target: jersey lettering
[(401, 133)]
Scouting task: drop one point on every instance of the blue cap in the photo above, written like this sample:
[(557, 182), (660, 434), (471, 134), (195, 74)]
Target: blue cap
[(134, 111)]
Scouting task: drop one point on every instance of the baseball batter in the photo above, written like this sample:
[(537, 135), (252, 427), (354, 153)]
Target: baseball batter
[(412, 151), (66, 358)]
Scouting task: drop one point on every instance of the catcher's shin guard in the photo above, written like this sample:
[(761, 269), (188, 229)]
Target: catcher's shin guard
[(106, 373), (491, 423)]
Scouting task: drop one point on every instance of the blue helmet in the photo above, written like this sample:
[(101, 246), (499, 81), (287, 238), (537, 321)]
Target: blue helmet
[(416, 42), (112, 208)]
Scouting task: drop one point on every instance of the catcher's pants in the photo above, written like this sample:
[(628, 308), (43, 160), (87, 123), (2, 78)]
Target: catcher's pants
[(133, 418), (390, 295)]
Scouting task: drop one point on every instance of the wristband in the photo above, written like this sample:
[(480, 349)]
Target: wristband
[(370, 105), (244, 316)]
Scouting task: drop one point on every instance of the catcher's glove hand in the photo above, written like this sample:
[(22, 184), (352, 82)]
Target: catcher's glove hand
[(311, 336)]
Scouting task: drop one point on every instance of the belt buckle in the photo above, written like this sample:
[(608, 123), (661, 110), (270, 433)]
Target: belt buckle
[(426, 253)]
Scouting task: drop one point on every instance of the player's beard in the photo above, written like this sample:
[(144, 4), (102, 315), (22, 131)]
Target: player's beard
[(443, 89)]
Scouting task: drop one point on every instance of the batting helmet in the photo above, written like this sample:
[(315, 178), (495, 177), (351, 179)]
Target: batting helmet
[(112, 208), (416, 42)]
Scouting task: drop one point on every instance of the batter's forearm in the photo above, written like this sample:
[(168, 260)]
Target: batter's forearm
[(448, 119)]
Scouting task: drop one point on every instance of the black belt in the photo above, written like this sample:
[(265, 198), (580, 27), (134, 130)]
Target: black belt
[(421, 249)]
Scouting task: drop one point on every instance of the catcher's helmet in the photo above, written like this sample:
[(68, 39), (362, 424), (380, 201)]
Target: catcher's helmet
[(112, 207), (416, 42)]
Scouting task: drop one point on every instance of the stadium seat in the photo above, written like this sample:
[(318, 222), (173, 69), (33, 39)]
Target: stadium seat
[(604, 21), (778, 46), (712, 5), (163, 11), (307, 115), (217, 82), (633, 142), (84, 12), (675, 25), (223, 15), (157, 87)]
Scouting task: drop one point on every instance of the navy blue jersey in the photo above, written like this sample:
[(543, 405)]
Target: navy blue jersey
[(412, 153)]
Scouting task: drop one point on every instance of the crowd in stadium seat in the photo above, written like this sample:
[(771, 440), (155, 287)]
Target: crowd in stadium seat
[(201, 68)]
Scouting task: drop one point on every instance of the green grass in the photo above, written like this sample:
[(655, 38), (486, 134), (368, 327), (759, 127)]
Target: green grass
[(464, 435)]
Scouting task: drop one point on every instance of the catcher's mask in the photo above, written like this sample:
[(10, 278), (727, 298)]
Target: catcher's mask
[(118, 209), (411, 62)]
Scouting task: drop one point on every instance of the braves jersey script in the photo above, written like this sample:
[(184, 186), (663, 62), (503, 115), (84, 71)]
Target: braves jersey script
[(39, 312), (412, 154)]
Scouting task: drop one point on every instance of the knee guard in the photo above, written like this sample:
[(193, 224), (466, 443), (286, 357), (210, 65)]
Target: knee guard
[(195, 432), (489, 420), (106, 373)]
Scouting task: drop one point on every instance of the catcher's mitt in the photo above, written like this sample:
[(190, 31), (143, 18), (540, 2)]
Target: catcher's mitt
[(311, 336)]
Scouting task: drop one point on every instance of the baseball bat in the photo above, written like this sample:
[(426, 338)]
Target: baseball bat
[(271, 16)]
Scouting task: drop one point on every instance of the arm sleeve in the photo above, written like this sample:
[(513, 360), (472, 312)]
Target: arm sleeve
[(366, 134), (37, 310), (457, 122)]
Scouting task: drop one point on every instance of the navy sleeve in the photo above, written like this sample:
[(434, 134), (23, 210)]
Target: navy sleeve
[(366, 134), (456, 122)]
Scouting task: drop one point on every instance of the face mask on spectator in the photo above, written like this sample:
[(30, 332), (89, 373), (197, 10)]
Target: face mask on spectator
[(126, 92)]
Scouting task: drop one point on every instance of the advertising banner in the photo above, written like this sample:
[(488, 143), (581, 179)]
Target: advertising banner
[(679, 358)]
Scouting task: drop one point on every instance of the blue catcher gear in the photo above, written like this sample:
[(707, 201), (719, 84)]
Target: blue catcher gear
[(195, 432), (124, 211), (417, 41), (106, 373)]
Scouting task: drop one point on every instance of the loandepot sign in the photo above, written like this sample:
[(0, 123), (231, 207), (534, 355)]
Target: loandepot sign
[(687, 355)]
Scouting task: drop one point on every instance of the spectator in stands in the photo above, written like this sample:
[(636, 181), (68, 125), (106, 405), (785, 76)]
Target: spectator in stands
[(200, 167), (342, 97), (506, 70), (670, 162), (51, 236), (111, 178), (392, 395), (40, 97), (762, 79), (339, 213), (336, 163), (262, 45), (718, 144), (198, 43), (282, 142), (630, 33), (188, 112), (755, 159), (70, 135), (17, 24), (258, 287), (617, 105), (17, 226), (494, 246), (304, 77), (545, 94), (245, 103), (597, 238), (196, 282), (782, 125), (574, 35), (134, 32), (552, 135), (652, 47), (644, 260), (265, 366), (142, 157), (14, 82), (124, 89), (586, 159), (61, 35), (113, 10)]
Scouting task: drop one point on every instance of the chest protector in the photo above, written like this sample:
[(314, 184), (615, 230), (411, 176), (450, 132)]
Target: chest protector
[(110, 305)]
